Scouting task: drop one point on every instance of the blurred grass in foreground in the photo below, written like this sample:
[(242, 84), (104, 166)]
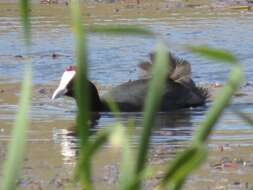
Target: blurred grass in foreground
[(16, 148), (134, 168)]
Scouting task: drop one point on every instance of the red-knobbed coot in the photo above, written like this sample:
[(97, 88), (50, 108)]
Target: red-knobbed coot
[(181, 91)]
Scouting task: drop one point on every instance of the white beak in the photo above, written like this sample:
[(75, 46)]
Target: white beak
[(58, 93), (62, 88)]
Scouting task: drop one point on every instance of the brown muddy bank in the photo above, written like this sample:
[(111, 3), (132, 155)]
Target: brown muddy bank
[(131, 8), (172, 3)]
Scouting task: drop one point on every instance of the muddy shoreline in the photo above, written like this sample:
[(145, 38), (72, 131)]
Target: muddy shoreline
[(127, 9), (160, 4)]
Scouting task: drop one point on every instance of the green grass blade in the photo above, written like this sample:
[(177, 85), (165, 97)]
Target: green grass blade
[(82, 95), (153, 100), (244, 117), (220, 103), (94, 145), (113, 107), (16, 148), (25, 16), (121, 29), (182, 166), (100, 140), (85, 159), (194, 156), (127, 176), (81, 76), (213, 53), (179, 184)]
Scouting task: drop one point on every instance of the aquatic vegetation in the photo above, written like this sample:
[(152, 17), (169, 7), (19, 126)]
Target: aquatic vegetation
[(135, 168)]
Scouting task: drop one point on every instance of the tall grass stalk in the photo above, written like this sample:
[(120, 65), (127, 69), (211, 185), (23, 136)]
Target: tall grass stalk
[(25, 10), (127, 176), (224, 97), (179, 168), (220, 103), (245, 117), (192, 157), (83, 170), (16, 148), (82, 72), (152, 104)]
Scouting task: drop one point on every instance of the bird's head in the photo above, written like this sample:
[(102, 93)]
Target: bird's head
[(66, 86)]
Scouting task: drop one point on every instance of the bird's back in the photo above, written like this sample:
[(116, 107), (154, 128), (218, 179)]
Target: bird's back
[(180, 92)]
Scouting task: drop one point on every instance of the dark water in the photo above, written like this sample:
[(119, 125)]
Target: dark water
[(113, 60)]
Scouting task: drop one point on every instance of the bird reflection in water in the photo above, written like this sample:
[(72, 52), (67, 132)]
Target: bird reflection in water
[(173, 130)]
